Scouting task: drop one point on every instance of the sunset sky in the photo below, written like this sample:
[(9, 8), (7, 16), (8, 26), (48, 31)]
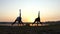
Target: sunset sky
[(49, 10)]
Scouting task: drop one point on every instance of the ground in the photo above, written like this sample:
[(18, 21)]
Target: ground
[(52, 29)]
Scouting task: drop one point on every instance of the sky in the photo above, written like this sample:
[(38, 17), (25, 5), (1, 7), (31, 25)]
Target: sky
[(49, 10)]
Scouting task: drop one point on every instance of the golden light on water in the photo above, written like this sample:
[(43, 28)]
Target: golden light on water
[(25, 25)]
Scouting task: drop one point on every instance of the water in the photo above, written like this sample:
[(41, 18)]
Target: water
[(24, 25)]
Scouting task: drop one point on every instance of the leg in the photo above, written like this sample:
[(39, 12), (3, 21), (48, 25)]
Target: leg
[(14, 22), (21, 22), (34, 22), (18, 23), (39, 22)]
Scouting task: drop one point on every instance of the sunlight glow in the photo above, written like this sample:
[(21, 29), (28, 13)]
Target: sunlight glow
[(49, 10)]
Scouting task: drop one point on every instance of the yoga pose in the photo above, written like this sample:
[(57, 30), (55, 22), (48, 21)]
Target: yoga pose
[(18, 19), (37, 20)]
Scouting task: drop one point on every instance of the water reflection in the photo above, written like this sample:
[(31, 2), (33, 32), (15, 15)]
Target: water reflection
[(24, 25)]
